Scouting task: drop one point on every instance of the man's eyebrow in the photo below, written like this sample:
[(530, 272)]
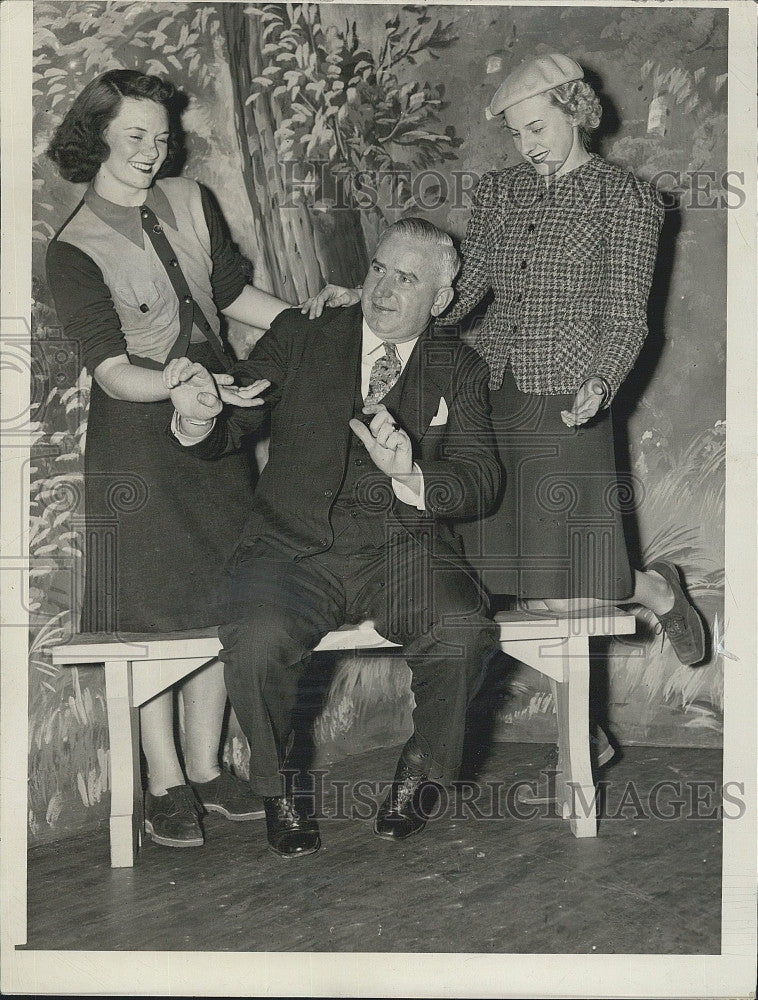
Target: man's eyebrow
[(407, 274)]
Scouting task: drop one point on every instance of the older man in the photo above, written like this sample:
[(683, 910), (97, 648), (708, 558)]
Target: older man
[(380, 432)]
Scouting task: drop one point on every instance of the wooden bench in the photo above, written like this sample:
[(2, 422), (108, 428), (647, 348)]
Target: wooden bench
[(139, 667)]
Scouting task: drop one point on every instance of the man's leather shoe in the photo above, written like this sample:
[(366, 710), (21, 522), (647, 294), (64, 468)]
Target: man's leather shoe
[(407, 806), (290, 832)]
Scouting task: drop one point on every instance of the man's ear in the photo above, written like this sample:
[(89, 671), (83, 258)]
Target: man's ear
[(442, 300)]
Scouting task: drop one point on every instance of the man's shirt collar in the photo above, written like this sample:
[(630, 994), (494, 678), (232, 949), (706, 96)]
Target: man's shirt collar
[(372, 346)]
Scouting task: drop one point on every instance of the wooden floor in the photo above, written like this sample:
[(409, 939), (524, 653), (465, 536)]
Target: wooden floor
[(498, 885)]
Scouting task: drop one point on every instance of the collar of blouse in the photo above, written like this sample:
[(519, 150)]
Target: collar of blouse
[(125, 219)]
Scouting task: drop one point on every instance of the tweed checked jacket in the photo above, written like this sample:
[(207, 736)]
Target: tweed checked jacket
[(570, 266)]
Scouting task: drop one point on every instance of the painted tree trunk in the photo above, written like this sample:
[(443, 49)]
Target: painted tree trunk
[(302, 247)]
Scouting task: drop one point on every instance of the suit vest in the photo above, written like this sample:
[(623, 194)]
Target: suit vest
[(362, 510)]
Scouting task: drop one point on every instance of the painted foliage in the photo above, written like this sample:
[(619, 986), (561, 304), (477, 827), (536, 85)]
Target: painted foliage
[(314, 125)]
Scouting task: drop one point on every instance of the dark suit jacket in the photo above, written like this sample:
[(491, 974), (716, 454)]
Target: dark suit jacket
[(314, 367)]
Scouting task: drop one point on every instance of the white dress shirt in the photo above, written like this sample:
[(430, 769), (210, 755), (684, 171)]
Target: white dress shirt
[(371, 349)]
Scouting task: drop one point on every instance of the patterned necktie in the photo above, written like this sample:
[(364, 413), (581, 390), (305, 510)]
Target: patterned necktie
[(384, 373)]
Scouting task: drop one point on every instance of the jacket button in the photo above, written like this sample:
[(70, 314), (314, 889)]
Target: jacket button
[(157, 229), (173, 262), (359, 461), (328, 493), (187, 299)]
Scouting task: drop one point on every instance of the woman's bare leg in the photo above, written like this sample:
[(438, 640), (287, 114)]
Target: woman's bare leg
[(650, 591), (158, 743), (204, 697)]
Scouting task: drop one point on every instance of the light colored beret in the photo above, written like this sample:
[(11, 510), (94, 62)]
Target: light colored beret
[(534, 77)]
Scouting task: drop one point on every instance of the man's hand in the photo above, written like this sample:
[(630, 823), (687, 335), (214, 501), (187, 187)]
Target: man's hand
[(389, 447), (198, 395), (586, 403), (332, 296)]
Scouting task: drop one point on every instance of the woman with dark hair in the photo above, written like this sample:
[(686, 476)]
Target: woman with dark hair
[(139, 272), (566, 243)]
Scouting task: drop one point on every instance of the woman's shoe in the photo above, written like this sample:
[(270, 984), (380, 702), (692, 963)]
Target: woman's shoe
[(229, 795), (682, 624), (173, 819)]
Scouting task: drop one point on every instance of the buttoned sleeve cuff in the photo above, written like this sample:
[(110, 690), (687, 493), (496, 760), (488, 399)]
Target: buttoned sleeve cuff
[(608, 392), (411, 493), (184, 439)]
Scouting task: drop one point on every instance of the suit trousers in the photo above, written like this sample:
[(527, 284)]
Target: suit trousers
[(279, 608)]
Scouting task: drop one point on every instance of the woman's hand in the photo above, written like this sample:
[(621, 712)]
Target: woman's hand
[(587, 402), (194, 389), (332, 296)]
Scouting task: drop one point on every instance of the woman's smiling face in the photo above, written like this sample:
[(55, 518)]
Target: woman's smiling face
[(138, 141), (544, 135)]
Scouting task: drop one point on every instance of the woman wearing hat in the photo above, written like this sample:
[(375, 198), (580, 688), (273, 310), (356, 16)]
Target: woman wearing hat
[(566, 243)]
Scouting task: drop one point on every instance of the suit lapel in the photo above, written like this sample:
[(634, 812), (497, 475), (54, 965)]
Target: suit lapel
[(416, 399), (335, 354)]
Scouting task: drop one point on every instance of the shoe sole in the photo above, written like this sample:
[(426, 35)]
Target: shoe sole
[(390, 836), (234, 817), (297, 854), (700, 653), (167, 841)]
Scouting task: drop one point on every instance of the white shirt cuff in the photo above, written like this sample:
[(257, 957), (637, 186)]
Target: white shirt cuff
[(413, 494), (185, 439)]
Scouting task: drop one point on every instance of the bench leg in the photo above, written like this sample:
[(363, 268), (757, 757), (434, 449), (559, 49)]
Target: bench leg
[(575, 788), (126, 787)]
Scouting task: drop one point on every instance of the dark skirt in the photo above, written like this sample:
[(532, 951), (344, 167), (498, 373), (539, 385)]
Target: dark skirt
[(160, 523), (557, 532)]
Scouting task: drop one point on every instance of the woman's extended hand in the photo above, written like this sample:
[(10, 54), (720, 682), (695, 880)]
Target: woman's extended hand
[(586, 403), (332, 296)]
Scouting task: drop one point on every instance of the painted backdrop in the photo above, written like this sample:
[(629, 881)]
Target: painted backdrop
[(314, 125)]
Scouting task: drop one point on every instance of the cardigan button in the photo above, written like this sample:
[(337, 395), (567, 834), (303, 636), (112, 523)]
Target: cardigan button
[(523, 265), (532, 227), (144, 213), (157, 229)]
